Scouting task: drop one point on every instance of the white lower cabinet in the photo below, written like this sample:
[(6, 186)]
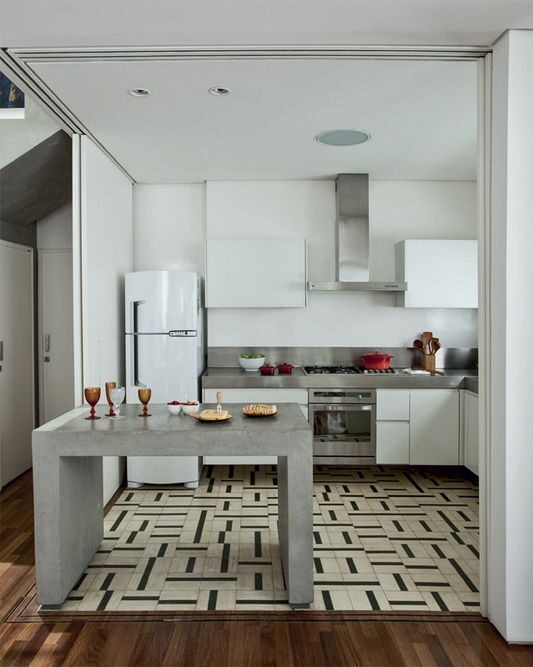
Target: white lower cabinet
[(253, 396), (417, 427), (434, 433), (470, 432), (392, 442)]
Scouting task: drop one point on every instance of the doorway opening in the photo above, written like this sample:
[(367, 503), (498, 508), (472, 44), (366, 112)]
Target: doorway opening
[(36, 376)]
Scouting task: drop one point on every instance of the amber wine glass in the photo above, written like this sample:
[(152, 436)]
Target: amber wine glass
[(145, 395), (92, 396), (108, 387)]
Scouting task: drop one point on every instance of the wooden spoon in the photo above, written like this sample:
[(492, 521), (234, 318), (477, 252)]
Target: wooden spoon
[(418, 345)]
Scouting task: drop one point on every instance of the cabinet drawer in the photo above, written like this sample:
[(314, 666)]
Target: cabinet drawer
[(392, 404), (392, 442), (257, 395)]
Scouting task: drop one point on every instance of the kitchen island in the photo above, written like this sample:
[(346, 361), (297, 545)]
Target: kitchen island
[(67, 478)]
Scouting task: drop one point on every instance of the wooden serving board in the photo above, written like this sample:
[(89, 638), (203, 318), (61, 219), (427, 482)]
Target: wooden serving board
[(200, 416)]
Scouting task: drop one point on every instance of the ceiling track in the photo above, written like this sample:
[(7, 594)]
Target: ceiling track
[(29, 81), (247, 52)]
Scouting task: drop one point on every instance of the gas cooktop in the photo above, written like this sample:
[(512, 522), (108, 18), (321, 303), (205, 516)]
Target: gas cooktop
[(346, 370)]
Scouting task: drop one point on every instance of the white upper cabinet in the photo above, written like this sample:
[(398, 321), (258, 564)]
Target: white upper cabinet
[(256, 274), (439, 273)]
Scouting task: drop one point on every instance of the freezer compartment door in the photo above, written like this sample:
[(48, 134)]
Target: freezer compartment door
[(163, 469), (166, 364), (162, 301)]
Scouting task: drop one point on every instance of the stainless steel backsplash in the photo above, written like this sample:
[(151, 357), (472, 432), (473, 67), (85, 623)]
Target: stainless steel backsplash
[(451, 357)]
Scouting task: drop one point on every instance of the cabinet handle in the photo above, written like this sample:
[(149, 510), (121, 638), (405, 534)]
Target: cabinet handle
[(47, 343), (1, 350)]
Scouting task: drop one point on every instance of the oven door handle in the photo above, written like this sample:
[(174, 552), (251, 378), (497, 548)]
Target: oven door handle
[(342, 407)]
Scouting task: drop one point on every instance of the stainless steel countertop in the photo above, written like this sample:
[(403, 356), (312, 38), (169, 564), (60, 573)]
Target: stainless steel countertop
[(472, 384), (236, 378)]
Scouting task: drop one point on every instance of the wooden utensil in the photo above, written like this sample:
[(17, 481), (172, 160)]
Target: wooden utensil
[(435, 345), (418, 345), (426, 341), (219, 402)]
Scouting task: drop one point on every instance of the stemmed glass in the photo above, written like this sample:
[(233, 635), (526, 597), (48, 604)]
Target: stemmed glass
[(92, 396), (144, 397), (108, 387), (117, 397)]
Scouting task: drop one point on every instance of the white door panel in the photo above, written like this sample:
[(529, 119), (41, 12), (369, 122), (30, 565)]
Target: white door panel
[(56, 336), (16, 360), (165, 364), (434, 427), (161, 301)]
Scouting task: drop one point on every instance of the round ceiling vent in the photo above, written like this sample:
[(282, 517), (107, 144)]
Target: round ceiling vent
[(342, 137)]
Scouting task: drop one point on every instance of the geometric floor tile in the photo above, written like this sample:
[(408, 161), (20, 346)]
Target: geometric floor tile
[(384, 538)]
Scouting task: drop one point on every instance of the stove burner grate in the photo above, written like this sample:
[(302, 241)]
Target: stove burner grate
[(345, 370)]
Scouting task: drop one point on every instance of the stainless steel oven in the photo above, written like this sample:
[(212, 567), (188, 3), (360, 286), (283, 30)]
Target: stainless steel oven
[(344, 425)]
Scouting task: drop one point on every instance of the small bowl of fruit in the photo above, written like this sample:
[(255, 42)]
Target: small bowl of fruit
[(251, 362), (174, 407), (189, 407)]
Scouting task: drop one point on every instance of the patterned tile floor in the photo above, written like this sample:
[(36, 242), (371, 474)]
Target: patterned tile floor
[(384, 538)]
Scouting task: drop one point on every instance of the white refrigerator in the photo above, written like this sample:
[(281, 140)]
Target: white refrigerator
[(164, 351)]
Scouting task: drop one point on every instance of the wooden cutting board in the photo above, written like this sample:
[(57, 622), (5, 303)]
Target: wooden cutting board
[(211, 416)]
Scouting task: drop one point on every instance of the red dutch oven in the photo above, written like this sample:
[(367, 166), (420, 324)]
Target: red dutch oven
[(267, 369), (376, 361), (285, 368)]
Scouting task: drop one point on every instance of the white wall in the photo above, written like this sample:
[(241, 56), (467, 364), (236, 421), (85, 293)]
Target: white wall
[(511, 384), (169, 227), (306, 209), (171, 223), (107, 254), (54, 231)]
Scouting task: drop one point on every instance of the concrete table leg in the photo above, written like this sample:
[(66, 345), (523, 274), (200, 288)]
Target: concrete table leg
[(68, 520), (295, 511)]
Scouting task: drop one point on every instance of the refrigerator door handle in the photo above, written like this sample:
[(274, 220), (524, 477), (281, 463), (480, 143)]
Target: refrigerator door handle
[(136, 381)]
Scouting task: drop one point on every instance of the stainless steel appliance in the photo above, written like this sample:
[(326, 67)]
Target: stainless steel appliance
[(347, 370), (344, 426)]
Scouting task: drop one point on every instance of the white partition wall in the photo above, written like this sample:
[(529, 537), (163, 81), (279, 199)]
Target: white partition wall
[(106, 254), (510, 510)]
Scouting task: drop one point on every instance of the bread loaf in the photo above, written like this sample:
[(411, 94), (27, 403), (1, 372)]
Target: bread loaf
[(259, 410)]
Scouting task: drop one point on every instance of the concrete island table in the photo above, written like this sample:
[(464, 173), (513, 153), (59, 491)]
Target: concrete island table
[(67, 480)]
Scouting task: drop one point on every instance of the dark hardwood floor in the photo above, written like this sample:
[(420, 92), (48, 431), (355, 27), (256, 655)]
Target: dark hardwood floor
[(220, 639)]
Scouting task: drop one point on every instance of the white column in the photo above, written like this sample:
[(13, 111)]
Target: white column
[(510, 514)]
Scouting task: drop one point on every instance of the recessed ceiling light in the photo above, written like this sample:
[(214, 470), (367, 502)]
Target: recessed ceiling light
[(139, 92), (342, 137), (219, 90)]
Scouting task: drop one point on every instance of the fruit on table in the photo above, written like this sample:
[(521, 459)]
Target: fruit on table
[(182, 403), (252, 356)]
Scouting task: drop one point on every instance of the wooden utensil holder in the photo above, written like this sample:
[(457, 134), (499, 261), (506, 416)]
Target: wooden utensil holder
[(428, 362)]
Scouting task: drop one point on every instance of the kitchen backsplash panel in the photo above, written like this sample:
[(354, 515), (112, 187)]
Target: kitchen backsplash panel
[(452, 357)]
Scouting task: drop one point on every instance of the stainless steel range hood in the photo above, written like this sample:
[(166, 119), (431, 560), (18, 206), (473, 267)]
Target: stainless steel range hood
[(352, 240)]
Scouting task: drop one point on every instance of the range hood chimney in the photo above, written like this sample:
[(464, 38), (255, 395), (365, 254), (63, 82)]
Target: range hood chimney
[(352, 240)]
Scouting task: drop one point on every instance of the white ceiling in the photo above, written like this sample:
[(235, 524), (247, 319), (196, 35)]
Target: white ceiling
[(27, 23), (421, 117)]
